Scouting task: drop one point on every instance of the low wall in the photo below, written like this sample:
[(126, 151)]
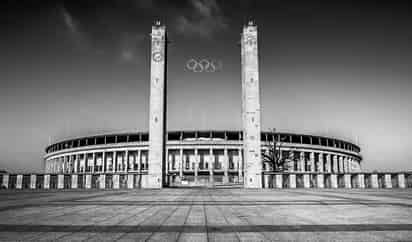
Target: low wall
[(337, 180), (269, 180), (73, 181)]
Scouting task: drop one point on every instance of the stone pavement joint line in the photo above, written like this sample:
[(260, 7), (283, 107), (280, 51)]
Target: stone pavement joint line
[(201, 214)]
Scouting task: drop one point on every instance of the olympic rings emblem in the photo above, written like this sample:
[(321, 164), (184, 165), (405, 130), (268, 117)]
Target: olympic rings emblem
[(203, 65), (157, 56)]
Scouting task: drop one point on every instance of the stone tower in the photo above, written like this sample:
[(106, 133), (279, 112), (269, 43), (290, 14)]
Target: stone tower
[(157, 122), (251, 107)]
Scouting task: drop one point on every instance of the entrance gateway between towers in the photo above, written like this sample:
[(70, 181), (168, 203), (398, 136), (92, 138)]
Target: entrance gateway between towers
[(201, 158), (190, 170)]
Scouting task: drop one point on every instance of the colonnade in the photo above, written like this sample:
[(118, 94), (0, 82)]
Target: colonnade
[(191, 160), (311, 161), (98, 162)]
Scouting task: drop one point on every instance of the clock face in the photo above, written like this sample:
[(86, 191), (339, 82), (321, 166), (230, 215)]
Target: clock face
[(157, 56)]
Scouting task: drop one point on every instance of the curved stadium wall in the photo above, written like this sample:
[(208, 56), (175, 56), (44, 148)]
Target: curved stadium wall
[(198, 155)]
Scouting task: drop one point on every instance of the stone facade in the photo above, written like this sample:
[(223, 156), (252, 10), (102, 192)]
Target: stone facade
[(201, 157)]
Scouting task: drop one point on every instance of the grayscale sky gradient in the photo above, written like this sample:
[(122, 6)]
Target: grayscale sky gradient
[(74, 68)]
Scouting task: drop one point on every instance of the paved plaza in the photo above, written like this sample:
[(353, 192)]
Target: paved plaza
[(201, 214)]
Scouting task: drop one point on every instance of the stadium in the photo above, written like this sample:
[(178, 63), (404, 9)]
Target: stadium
[(198, 157)]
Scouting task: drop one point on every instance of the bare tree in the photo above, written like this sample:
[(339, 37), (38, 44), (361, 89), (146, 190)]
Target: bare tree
[(272, 156)]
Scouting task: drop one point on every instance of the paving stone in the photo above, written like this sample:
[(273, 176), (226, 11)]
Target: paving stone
[(200, 214)]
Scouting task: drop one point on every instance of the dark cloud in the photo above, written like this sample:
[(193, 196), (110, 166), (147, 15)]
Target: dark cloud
[(78, 38), (205, 19), (131, 47)]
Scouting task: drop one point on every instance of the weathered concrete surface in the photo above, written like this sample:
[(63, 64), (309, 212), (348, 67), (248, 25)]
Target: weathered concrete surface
[(157, 119), (251, 106), (207, 215)]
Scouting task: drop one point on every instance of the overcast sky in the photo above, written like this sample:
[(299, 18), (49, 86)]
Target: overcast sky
[(74, 68)]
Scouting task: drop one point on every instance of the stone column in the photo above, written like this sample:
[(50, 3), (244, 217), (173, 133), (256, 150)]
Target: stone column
[(116, 181), (74, 181), (93, 162), (360, 180), (211, 165), (60, 181), (19, 182), (347, 179), (109, 158), (291, 162), (157, 120), (240, 171), (85, 162), (251, 106), (350, 164), (292, 181), (320, 181), (62, 164), (114, 162), (104, 162), (312, 161), (139, 160), (127, 160), (335, 164), (320, 163), (334, 180), (102, 181), (225, 166), (328, 164), (278, 180), (120, 164), (196, 164), (401, 180), (76, 163), (46, 180), (65, 164), (301, 166), (33, 181), (130, 181), (388, 181), (265, 181), (374, 181), (5, 182), (306, 181), (88, 181), (346, 161), (133, 161), (57, 165), (70, 164), (341, 168), (181, 164)]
